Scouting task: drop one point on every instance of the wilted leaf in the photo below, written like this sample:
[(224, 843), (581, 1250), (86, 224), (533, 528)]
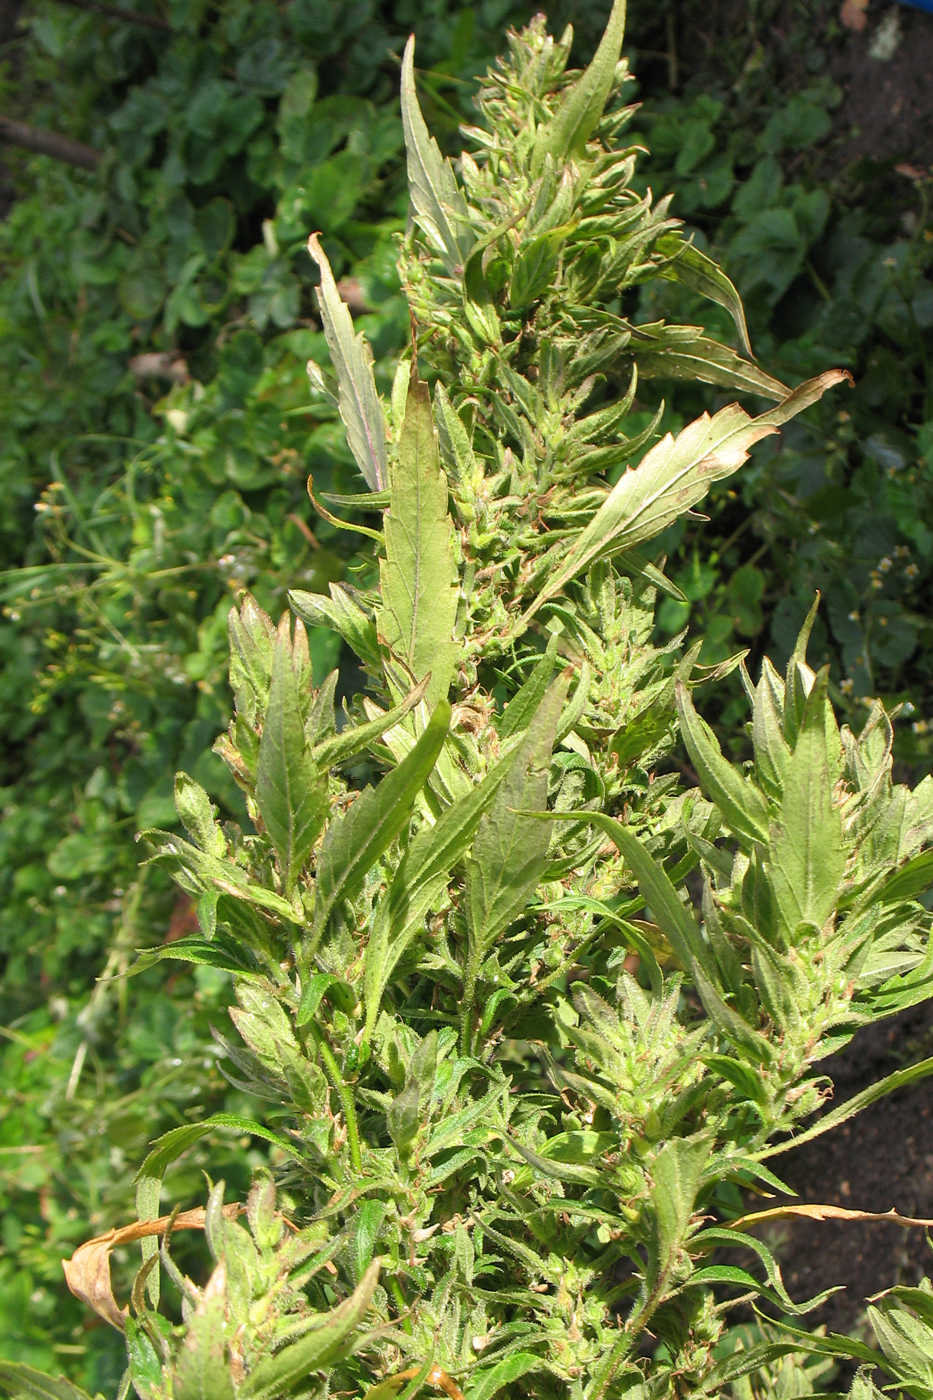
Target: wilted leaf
[(439, 206), (360, 408), (824, 1212), (671, 478), (87, 1272)]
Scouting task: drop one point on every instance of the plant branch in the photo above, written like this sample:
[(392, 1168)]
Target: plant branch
[(114, 12), (48, 143), (345, 1095)]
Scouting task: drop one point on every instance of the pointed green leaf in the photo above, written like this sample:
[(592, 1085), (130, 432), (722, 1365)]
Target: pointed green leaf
[(202, 1370), (329, 1341), (900, 1077), (24, 1382), (360, 408), (440, 209), (453, 437), (354, 739), (420, 882), (771, 748), (355, 842), (672, 477), (676, 1170), (510, 848), (695, 270), (252, 637), (485, 1382), (582, 106), (291, 792), (220, 951), (198, 815), (535, 267), (517, 714), (670, 913), (807, 856), (418, 576), (739, 801), (172, 1144), (342, 614), (198, 872), (701, 358)]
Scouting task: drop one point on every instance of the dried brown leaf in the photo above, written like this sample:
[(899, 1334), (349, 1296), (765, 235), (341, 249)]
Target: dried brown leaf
[(87, 1272), (823, 1212)]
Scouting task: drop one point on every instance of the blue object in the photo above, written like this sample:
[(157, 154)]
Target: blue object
[(920, 5)]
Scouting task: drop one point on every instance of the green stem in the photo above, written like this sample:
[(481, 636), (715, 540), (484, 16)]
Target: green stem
[(469, 997), (395, 1288), (345, 1095)]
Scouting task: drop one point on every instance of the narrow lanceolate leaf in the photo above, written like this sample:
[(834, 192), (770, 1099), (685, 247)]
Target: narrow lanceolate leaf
[(703, 359), (510, 848), (439, 207), (418, 576), (337, 748), (808, 853), (695, 270), (674, 476), (670, 913), (574, 122), (355, 842), (771, 748), (420, 881), (741, 804), (359, 403), (26, 1383), (291, 792), (342, 614), (676, 1171), (328, 1341)]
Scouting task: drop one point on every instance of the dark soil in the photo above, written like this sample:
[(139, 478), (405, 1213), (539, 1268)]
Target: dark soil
[(879, 1160), (887, 111)]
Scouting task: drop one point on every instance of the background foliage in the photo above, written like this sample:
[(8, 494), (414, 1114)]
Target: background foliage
[(155, 317)]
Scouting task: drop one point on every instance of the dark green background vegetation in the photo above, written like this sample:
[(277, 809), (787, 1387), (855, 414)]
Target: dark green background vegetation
[(155, 319)]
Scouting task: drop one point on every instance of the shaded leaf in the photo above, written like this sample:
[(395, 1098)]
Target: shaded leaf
[(509, 851), (291, 792), (331, 1339), (24, 1382), (693, 269), (355, 842), (740, 802), (340, 611), (488, 1381), (807, 856), (420, 882), (676, 1170)]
